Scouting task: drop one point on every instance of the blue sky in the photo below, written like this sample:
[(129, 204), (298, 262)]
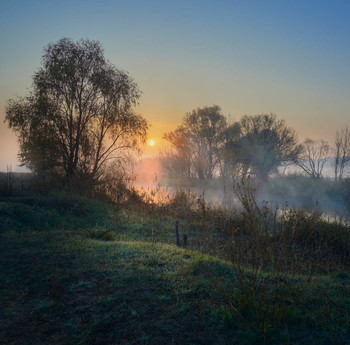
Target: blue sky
[(287, 57)]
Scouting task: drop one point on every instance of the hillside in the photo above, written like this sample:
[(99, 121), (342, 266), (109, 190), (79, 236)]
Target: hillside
[(81, 271)]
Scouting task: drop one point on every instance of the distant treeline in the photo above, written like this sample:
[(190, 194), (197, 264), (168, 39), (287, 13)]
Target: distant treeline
[(207, 145)]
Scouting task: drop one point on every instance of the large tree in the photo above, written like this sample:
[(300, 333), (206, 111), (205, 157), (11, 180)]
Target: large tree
[(261, 144), (79, 114), (199, 139)]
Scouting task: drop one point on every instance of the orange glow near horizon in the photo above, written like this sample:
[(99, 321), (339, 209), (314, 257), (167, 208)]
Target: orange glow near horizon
[(155, 134)]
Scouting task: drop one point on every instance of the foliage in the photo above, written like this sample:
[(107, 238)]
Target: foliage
[(101, 234), (205, 146), (196, 143), (263, 143), (288, 239), (116, 182), (79, 115), (267, 254), (176, 160)]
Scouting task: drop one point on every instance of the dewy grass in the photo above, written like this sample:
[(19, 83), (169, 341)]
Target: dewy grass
[(101, 234), (56, 211), (69, 285)]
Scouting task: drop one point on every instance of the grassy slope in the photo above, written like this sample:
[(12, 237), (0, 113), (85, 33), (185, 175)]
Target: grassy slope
[(60, 286)]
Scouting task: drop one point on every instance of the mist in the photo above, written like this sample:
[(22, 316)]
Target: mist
[(289, 187)]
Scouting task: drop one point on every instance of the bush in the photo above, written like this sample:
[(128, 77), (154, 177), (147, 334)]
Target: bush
[(290, 238), (101, 234), (269, 250)]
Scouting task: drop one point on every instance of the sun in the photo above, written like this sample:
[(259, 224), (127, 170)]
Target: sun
[(151, 143)]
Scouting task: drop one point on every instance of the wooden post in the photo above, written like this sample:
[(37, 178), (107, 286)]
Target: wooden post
[(177, 233), (185, 240)]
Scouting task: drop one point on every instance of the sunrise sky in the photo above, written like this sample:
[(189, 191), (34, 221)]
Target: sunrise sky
[(287, 57)]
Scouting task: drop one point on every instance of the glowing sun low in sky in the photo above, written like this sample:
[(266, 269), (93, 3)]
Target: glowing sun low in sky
[(151, 143)]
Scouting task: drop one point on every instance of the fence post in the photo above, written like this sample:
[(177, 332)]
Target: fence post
[(177, 233), (184, 241)]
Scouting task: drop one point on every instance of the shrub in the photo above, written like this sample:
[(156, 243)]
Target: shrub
[(101, 234)]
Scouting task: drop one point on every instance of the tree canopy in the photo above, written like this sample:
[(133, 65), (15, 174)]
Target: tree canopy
[(205, 145), (262, 144), (79, 114), (198, 141)]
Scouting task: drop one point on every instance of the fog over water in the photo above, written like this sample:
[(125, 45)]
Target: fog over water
[(291, 187), (328, 170)]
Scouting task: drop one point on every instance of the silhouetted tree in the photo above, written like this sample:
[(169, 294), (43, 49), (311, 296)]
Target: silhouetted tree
[(79, 114), (201, 132), (262, 144), (176, 160), (342, 152), (229, 165), (314, 156)]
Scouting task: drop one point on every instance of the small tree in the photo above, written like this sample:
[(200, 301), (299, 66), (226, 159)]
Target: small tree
[(79, 114), (314, 156), (201, 132), (176, 160), (342, 152)]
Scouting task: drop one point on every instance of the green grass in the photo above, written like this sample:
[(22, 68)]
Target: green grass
[(76, 271), (68, 289), (55, 211)]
